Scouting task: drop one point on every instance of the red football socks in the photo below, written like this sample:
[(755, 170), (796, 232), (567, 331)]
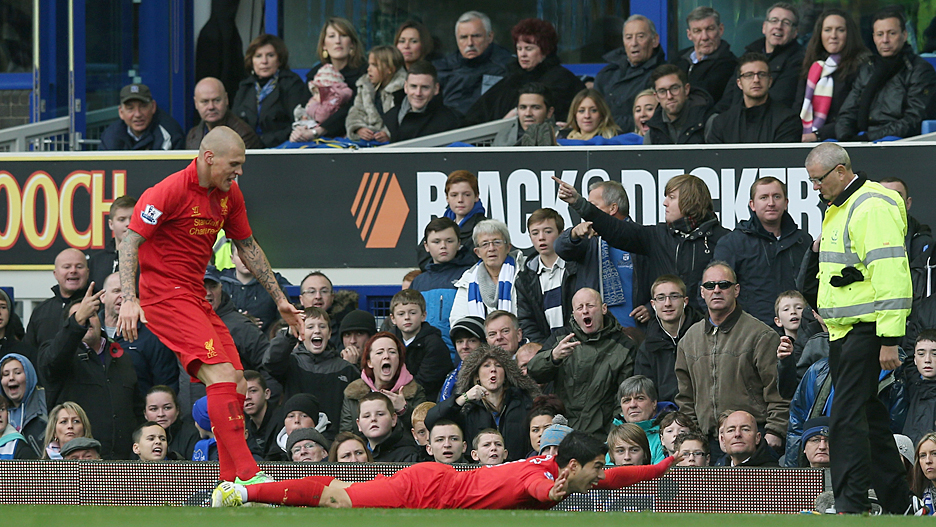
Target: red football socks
[(226, 411), (306, 491)]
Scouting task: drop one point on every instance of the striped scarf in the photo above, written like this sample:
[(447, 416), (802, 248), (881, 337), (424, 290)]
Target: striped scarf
[(505, 281), (818, 97)]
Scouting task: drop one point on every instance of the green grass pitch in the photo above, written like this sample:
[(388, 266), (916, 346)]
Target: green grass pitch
[(45, 515)]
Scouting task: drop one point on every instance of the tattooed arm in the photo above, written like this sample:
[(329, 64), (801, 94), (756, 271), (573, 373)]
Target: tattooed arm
[(130, 311), (256, 261)]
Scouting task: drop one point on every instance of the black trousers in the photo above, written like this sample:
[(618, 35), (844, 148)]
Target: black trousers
[(862, 448)]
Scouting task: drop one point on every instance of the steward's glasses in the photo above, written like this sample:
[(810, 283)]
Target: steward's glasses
[(818, 181)]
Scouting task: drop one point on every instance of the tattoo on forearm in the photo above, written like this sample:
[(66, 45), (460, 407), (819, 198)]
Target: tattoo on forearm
[(253, 257), (129, 259)]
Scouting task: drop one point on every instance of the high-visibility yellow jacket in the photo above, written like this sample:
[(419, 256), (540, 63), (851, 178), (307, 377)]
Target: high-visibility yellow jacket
[(864, 228)]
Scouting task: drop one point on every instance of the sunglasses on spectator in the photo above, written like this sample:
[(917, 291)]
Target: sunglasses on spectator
[(722, 284)]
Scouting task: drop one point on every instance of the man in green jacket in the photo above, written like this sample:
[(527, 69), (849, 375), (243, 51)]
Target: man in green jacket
[(587, 360), (728, 361)]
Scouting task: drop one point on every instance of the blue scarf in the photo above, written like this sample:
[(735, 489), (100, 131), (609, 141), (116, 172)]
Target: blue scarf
[(262, 93), (505, 281), (612, 291), (477, 209)]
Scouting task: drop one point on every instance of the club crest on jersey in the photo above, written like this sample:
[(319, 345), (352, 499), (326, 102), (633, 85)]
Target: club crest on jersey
[(224, 205), (549, 476), (150, 215)]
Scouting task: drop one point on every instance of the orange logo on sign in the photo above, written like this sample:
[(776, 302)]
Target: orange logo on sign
[(380, 210)]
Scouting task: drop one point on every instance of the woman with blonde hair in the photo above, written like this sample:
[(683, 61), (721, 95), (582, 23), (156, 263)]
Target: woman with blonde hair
[(589, 116), (645, 104), (377, 92), (66, 422)]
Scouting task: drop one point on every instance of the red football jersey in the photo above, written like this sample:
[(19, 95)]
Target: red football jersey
[(180, 221), (525, 484)]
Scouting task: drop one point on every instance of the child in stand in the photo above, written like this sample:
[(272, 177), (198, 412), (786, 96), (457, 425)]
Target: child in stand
[(329, 92)]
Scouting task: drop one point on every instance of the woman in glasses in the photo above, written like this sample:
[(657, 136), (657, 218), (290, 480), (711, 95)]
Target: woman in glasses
[(488, 285)]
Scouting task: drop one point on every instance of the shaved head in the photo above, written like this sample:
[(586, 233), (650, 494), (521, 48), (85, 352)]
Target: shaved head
[(220, 158), (221, 141)]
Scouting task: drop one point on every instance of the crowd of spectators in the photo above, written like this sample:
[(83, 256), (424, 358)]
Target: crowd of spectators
[(675, 337), (793, 84)]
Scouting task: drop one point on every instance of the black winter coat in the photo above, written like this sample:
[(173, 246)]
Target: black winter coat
[(475, 417), (691, 124), (325, 375), (182, 437), (765, 266), (841, 87), (620, 82), (670, 249), (162, 127), (899, 107), (435, 119), (107, 391), (274, 122), (786, 63), (502, 97), (335, 124), (921, 399), (400, 447), (47, 319), (465, 80), (714, 73), (771, 122), (428, 359), (530, 312), (102, 264), (656, 356)]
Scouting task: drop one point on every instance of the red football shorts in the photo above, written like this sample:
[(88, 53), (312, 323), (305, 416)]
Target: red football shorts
[(420, 486), (190, 327)]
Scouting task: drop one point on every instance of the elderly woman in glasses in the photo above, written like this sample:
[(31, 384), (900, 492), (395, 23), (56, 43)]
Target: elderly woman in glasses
[(488, 285)]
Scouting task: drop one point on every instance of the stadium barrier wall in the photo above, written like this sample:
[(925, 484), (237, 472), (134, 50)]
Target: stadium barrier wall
[(331, 208), (715, 489)]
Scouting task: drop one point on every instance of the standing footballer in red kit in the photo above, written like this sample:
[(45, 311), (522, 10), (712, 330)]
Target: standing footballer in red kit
[(535, 483), (172, 231)]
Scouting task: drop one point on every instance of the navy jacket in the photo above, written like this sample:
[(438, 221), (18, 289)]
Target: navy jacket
[(620, 82), (437, 285), (163, 133), (252, 298), (153, 361), (714, 73), (765, 265), (465, 80), (428, 359)]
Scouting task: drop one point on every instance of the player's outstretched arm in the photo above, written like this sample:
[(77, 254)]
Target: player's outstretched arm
[(130, 311), (620, 477), (254, 258)]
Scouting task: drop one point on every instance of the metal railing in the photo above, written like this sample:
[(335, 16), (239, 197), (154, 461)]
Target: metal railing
[(477, 135), (52, 135)]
